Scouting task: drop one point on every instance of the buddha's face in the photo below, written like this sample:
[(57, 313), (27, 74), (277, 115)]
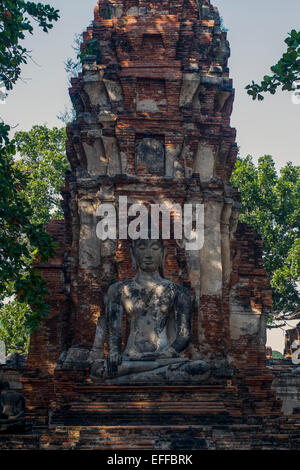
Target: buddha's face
[(148, 254)]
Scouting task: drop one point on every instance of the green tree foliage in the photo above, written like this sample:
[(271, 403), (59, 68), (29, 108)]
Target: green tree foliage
[(13, 327), (285, 74), (22, 240), (42, 164), (271, 205), (15, 21), (42, 157), (74, 67)]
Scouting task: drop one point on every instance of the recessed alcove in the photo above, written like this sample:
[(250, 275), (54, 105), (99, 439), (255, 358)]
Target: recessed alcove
[(153, 47), (150, 154)]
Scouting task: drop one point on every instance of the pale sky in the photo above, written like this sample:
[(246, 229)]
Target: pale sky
[(257, 30)]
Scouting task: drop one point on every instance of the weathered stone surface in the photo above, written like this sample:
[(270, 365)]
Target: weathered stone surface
[(158, 314), (12, 408), (286, 383), (150, 155)]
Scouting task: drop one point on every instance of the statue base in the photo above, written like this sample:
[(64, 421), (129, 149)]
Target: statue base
[(12, 425), (218, 414), (83, 402)]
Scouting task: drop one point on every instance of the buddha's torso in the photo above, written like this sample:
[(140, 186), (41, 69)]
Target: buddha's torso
[(148, 309)]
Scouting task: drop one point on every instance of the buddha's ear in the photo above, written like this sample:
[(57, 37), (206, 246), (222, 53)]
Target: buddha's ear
[(133, 260)]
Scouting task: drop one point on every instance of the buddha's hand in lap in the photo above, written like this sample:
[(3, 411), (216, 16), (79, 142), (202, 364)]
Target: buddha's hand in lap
[(113, 361), (168, 353), (136, 356), (153, 356)]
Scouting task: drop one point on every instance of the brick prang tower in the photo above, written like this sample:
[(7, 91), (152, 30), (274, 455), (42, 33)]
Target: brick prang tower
[(153, 106)]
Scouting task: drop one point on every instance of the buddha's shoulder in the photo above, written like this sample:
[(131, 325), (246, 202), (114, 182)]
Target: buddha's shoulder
[(131, 285), (176, 288), (120, 286)]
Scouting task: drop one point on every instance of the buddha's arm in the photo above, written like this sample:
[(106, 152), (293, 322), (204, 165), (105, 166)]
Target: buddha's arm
[(98, 346), (114, 316), (183, 310)]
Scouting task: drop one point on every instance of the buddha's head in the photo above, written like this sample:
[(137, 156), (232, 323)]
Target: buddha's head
[(148, 255)]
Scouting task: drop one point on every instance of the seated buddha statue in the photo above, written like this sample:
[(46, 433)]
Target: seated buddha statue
[(158, 313)]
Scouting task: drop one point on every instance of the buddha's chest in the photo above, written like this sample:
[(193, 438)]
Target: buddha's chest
[(151, 303)]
